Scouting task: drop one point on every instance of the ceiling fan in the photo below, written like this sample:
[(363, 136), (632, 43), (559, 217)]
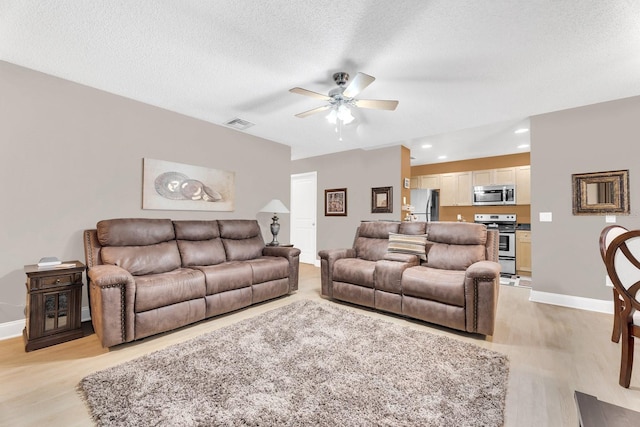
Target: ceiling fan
[(341, 98)]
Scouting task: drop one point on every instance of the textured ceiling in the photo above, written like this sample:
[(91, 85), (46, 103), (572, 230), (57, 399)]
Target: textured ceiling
[(466, 73)]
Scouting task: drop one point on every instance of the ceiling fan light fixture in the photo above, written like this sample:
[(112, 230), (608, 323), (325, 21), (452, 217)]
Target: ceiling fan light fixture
[(332, 116), (344, 114)]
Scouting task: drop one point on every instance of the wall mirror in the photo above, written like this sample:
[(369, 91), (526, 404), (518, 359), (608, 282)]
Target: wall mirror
[(601, 193)]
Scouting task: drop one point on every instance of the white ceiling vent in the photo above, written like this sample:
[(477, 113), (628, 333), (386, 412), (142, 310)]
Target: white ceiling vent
[(239, 124)]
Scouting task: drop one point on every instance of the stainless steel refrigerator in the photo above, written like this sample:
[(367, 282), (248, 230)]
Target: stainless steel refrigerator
[(427, 204)]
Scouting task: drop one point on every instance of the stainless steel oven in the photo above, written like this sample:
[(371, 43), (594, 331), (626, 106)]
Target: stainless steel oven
[(506, 226)]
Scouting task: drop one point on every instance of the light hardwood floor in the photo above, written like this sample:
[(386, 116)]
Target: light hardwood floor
[(552, 351)]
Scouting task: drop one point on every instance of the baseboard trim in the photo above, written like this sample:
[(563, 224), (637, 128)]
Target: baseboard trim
[(570, 301), (14, 329)]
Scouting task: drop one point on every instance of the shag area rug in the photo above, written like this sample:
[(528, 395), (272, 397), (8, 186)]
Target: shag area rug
[(305, 364)]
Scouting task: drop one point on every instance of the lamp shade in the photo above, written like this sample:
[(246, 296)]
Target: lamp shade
[(275, 206)]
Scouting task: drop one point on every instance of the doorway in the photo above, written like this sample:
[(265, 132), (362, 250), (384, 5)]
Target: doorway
[(303, 215)]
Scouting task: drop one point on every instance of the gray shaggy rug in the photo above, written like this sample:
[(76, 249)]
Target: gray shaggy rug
[(305, 364)]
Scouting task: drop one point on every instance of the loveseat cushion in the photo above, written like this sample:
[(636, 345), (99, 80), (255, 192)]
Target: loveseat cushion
[(453, 257), (445, 286), (134, 231), (159, 290), (372, 239), (241, 238), (141, 260), (455, 245), (354, 270)]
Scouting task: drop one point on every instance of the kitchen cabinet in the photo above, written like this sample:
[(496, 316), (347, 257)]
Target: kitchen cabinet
[(494, 176), (523, 185), (414, 182), (523, 253), (455, 189), (430, 181)]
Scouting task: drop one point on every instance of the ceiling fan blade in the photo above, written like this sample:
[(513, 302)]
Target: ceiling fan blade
[(310, 93), (314, 111), (376, 104), (357, 85)]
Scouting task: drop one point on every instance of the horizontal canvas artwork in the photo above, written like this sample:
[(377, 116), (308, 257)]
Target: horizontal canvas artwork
[(176, 186)]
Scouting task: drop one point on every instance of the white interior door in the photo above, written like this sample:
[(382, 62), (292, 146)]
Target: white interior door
[(303, 215)]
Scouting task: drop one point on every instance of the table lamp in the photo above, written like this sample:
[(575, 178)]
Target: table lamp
[(275, 206)]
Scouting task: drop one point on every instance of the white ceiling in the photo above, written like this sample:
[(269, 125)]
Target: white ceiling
[(466, 73)]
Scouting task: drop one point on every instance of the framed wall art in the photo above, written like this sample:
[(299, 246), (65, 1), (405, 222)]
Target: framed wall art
[(601, 193), (335, 202), (176, 186), (382, 200)]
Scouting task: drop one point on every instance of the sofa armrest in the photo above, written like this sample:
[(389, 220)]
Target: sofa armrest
[(482, 284), (388, 272), (400, 257), (327, 258), (112, 292), (293, 256)]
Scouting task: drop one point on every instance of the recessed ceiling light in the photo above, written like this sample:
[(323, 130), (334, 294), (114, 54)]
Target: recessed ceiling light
[(442, 157), (427, 146), (523, 146), (522, 130)]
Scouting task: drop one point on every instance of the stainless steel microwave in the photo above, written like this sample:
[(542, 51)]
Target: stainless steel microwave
[(491, 195)]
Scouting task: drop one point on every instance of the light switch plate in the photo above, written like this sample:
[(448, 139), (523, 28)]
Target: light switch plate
[(546, 217), (610, 218)]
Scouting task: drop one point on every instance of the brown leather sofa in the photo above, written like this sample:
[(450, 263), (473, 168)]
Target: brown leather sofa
[(148, 276), (455, 285)]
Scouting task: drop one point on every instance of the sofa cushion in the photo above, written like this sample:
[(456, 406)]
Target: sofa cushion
[(413, 227), (269, 268), (227, 276), (241, 238), (159, 290), (203, 252), (408, 244), (453, 257), (354, 270), (457, 233), (196, 230), (372, 239), (141, 260), (134, 231), (445, 286)]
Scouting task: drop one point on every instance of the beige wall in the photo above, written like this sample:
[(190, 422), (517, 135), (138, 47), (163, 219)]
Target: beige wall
[(358, 171), (72, 155), (596, 138)]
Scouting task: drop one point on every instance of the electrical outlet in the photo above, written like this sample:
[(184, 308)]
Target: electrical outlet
[(607, 281)]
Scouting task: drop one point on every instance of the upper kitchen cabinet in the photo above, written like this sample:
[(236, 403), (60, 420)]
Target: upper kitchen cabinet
[(494, 176), (430, 181), (455, 189), (523, 185)]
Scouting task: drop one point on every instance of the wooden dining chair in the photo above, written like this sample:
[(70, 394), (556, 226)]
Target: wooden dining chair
[(606, 236), (623, 267)]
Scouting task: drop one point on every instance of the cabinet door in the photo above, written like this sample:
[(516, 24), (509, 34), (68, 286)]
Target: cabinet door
[(523, 185), (463, 189), (505, 176), (448, 186), (523, 253), (415, 182), (483, 177), (430, 181)]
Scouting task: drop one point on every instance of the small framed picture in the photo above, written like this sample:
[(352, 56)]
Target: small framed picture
[(407, 183), (382, 200), (335, 202)]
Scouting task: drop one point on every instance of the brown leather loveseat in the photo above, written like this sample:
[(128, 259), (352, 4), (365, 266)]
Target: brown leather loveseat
[(148, 276), (440, 272)]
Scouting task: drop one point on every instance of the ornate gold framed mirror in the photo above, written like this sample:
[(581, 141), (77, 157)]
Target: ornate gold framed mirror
[(601, 193)]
